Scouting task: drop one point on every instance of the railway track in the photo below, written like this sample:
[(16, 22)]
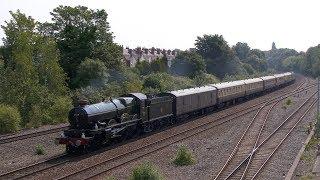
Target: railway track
[(43, 166), (107, 165), (252, 151), (34, 168), (8, 138), (15, 137)]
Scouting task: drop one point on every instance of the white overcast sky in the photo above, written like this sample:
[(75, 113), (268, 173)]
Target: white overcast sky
[(176, 23)]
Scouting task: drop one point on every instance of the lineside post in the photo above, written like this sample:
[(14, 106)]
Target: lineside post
[(318, 108)]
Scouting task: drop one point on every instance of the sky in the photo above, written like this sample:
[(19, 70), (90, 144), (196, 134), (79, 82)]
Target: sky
[(174, 24)]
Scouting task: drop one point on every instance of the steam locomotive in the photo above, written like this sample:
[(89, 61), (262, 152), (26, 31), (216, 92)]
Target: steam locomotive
[(97, 124)]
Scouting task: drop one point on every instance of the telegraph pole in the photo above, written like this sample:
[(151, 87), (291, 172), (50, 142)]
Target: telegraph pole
[(318, 106), (318, 109)]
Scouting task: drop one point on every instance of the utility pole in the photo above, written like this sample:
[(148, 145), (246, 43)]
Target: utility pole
[(318, 109)]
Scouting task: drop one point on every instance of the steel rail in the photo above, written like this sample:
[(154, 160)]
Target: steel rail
[(161, 140), (217, 119), (231, 156), (12, 138), (245, 160), (286, 136)]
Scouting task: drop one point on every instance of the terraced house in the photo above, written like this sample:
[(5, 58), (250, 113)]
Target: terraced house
[(132, 56)]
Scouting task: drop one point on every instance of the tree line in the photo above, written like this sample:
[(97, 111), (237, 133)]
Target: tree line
[(46, 67)]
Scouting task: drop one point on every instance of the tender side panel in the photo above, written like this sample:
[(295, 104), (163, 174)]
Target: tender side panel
[(159, 107)]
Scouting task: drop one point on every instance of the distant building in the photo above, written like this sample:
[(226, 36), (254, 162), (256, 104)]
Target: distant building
[(132, 56)]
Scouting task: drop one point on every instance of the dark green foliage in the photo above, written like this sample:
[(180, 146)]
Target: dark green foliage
[(161, 82), (256, 63), (9, 119), (32, 77), (82, 33), (249, 69), (59, 110), (306, 63), (184, 157), (288, 102), (275, 57), (40, 150), (295, 63), (242, 50), (145, 172), (159, 65), (313, 61), (90, 72), (205, 79), (219, 57), (143, 67), (188, 63)]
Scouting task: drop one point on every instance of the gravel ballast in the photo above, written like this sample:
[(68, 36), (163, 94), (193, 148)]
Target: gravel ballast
[(206, 147)]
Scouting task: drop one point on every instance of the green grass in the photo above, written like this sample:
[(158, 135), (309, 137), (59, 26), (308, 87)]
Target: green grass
[(312, 143), (287, 103), (184, 157), (145, 172), (40, 150), (307, 177)]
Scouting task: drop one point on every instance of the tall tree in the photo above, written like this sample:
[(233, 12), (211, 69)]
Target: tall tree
[(242, 50), (32, 75), (82, 33), (188, 63), (219, 57)]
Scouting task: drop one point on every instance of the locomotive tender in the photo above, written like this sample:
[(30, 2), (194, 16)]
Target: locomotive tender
[(97, 124)]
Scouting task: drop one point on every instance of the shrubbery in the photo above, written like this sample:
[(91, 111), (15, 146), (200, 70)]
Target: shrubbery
[(9, 119), (145, 172), (40, 150), (60, 109), (205, 79), (184, 157)]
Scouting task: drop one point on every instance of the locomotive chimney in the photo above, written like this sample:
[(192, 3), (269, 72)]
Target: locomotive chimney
[(83, 103)]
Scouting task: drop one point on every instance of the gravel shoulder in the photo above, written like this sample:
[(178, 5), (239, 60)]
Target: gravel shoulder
[(208, 147), (212, 148)]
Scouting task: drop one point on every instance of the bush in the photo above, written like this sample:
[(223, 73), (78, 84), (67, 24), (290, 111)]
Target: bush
[(205, 79), (40, 150), (37, 116), (145, 172), (180, 82), (90, 72), (10, 119), (184, 157), (288, 102), (161, 82), (60, 109)]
